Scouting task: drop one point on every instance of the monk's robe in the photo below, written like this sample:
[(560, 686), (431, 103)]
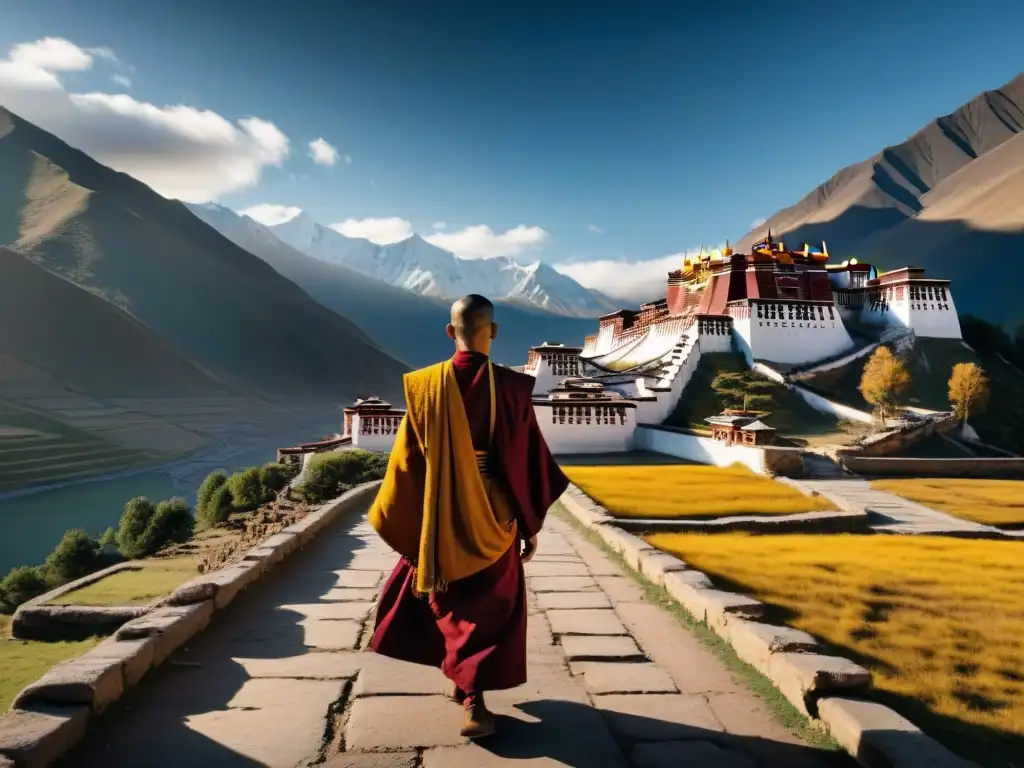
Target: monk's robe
[(454, 601)]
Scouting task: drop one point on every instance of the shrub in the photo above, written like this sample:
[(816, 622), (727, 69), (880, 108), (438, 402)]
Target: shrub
[(273, 479), (171, 523), (77, 555), (21, 585), (134, 519), (213, 481), (246, 489), (217, 509), (331, 474)]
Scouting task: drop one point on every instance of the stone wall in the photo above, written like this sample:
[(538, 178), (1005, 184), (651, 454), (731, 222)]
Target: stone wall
[(706, 450), (965, 467)]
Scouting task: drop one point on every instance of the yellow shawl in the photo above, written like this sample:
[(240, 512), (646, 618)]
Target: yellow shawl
[(434, 507)]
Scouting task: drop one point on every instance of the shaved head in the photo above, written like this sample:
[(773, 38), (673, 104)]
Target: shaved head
[(472, 326)]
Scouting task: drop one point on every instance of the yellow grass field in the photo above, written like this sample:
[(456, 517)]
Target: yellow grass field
[(688, 491), (937, 620), (22, 661), (156, 578), (990, 502)]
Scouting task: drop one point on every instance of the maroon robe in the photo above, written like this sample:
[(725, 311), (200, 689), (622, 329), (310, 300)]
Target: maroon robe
[(475, 632)]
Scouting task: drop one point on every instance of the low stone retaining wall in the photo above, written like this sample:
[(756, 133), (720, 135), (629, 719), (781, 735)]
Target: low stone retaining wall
[(51, 715), (904, 467), (803, 522), (36, 620), (832, 690), (706, 450)]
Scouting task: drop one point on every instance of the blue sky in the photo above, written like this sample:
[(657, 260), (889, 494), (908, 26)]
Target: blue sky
[(594, 131)]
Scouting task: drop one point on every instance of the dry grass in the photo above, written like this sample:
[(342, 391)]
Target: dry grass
[(937, 620), (23, 661), (689, 491), (990, 502), (155, 579)]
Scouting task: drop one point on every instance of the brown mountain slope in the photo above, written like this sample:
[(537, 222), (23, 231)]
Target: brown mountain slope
[(216, 304), (76, 336), (894, 185)]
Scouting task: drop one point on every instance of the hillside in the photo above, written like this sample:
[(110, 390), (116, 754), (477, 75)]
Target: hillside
[(947, 199), (219, 306), (405, 324)]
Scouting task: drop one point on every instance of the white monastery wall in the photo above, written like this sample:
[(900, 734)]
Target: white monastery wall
[(785, 338), (586, 428), (374, 433), (700, 449), (819, 403), (551, 369), (927, 316)]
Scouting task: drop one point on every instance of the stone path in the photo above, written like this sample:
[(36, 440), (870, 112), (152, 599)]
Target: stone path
[(279, 680), (895, 514)]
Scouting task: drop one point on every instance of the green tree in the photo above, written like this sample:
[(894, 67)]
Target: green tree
[(217, 510), (884, 379), (134, 519), (246, 489), (77, 555), (743, 390), (273, 478), (21, 585), (213, 481), (968, 389), (171, 523), (331, 474)]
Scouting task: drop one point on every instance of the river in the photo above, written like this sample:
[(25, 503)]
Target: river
[(32, 524)]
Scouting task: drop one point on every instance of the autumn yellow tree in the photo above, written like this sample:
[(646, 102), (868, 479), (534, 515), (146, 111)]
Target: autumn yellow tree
[(968, 389), (884, 379)]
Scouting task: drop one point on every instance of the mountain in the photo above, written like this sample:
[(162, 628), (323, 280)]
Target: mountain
[(406, 324), (424, 268), (218, 307), (949, 199)]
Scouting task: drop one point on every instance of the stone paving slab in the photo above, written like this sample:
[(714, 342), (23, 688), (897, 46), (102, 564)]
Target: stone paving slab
[(561, 584), (596, 621), (612, 677), (660, 717), (572, 600), (541, 568), (402, 723), (382, 676), (594, 648)]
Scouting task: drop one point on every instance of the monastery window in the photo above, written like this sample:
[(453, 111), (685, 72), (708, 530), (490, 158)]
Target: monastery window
[(831, 315)]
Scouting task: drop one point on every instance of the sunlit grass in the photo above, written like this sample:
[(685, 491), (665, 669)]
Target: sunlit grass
[(937, 620), (156, 578), (23, 661), (689, 491), (990, 502)]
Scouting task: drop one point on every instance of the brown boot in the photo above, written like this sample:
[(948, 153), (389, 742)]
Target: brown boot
[(479, 722)]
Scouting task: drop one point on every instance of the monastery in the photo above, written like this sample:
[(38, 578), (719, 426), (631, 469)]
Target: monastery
[(790, 311)]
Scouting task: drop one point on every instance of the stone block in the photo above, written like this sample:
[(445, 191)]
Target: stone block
[(37, 737), (328, 635), (135, 656), (655, 565), (621, 589), (596, 621), (95, 681), (572, 600), (284, 542), (695, 752), (802, 677), (880, 738), (755, 642), (536, 568), (609, 677), (172, 626), (232, 580), (712, 605), (540, 584), (677, 582), (266, 557), (383, 676), (372, 760), (658, 717), (597, 648), (395, 723)]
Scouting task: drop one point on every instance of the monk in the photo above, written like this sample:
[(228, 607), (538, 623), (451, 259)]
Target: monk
[(468, 484)]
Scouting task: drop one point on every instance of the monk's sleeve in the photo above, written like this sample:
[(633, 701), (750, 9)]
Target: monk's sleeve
[(397, 512), (546, 481)]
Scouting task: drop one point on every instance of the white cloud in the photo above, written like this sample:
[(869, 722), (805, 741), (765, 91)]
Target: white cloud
[(323, 153), (632, 281), (123, 80), (595, 229), (348, 159), (439, 225), (482, 242), (271, 214), (181, 151), (380, 231), (758, 223)]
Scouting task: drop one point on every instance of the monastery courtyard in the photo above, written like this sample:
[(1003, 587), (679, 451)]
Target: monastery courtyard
[(281, 678)]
